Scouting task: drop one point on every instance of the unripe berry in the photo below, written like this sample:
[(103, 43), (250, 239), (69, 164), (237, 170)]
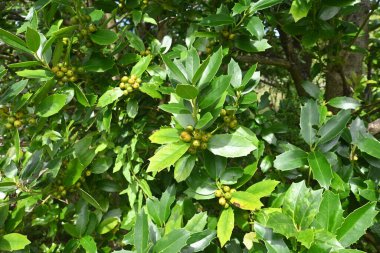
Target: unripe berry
[(218, 193), (233, 124), (227, 195), (129, 89), (55, 69), (92, 28), (356, 158), (222, 201), (231, 36), (205, 137), (8, 125), (196, 143), (192, 150), (70, 73), (59, 74), (122, 86), (223, 112), (232, 190), (185, 136), (135, 85), (32, 121), (124, 79), (61, 188), (11, 119), (197, 135), (226, 205), (17, 123), (138, 80), (64, 69), (131, 81), (125, 92), (133, 77), (226, 188), (88, 173), (226, 119), (225, 34), (329, 113), (65, 79), (73, 79), (189, 128), (203, 146), (84, 32), (80, 70)]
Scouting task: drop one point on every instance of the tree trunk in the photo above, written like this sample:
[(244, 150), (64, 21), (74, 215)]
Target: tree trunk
[(343, 74)]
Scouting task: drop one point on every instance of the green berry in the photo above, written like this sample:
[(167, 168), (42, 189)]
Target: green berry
[(218, 193), (226, 188)]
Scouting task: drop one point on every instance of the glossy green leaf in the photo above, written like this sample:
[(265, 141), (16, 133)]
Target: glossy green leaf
[(141, 66), (215, 91), (255, 27), (192, 62), (300, 9), (197, 223), (107, 225), (167, 156), (80, 96), (35, 73), (212, 68), (370, 146), (290, 160), (176, 108), (183, 167), (186, 91), (104, 37), (51, 105), (302, 204), (88, 243), (309, 119), (13, 241), (199, 241), (234, 71), (141, 238), (98, 64), (330, 215), (32, 39), (14, 41), (311, 89), (91, 200), (225, 225), (172, 242), (176, 72), (135, 41), (164, 136), (345, 103), (273, 242), (263, 4), (334, 126), (246, 201), (74, 172), (356, 223), (13, 91), (230, 145), (282, 224), (263, 188), (109, 97), (321, 168), (204, 120)]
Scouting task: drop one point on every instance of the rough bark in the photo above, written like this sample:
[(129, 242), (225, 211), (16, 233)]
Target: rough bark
[(344, 68)]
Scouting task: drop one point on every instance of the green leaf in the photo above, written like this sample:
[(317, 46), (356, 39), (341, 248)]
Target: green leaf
[(230, 145), (91, 200), (25, 64), (225, 225), (311, 89), (98, 64), (330, 215), (175, 108), (186, 91), (164, 136), (167, 156), (248, 75), (235, 72), (356, 223), (246, 201), (248, 173), (13, 241), (249, 45), (135, 41), (215, 91), (370, 146), (13, 91), (107, 225), (334, 126), (204, 120), (212, 68), (255, 27), (321, 168), (183, 167), (51, 105), (214, 165), (345, 103), (80, 96), (290, 160), (282, 224), (141, 66), (132, 108), (14, 41), (217, 20), (32, 39), (109, 97), (306, 237), (88, 243), (231, 175), (263, 188), (309, 118), (197, 223), (263, 4), (35, 73), (192, 62), (176, 72), (172, 242), (301, 204), (273, 242), (300, 9), (141, 238), (104, 37), (74, 172)]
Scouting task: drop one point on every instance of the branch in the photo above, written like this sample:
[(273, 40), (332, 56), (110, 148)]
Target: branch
[(264, 60), (374, 127)]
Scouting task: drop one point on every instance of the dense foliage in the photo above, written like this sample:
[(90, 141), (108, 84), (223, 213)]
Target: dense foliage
[(189, 126)]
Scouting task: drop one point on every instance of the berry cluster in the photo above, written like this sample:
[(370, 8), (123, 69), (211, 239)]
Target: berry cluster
[(16, 120), (226, 34), (61, 191), (229, 119), (224, 194), (145, 52), (198, 139), (65, 73), (85, 27), (129, 84)]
